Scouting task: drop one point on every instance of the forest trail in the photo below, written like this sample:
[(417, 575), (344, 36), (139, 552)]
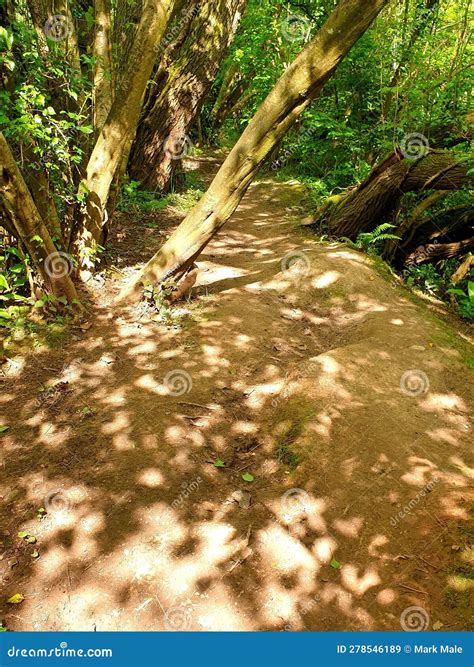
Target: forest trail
[(349, 403)]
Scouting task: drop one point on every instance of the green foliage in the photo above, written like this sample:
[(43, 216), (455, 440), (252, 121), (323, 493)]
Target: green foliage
[(134, 200), (465, 300), (371, 241), (435, 280), (13, 274)]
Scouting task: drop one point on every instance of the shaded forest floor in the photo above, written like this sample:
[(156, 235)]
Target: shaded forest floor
[(307, 378)]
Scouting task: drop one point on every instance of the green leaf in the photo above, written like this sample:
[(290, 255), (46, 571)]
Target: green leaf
[(470, 290), (16, 599), (3, 282), (3, 429), (247, 477), (22, 534), (335, 564), (219, 463)]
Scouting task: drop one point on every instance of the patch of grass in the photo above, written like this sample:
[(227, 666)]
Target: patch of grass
[(288, 432), (134, 200)]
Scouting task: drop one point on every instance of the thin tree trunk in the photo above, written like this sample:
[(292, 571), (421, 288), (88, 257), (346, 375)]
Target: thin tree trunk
[(162, 135), (463, 270), (421, 22), (292, 94), (103, 79)]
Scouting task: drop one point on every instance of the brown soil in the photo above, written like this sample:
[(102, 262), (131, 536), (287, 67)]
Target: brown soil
[(294, 376)]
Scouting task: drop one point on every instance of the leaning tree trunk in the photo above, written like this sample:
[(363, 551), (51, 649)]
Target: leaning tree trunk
[(53, 267), (379, 196), (180, 91), (300, 83)]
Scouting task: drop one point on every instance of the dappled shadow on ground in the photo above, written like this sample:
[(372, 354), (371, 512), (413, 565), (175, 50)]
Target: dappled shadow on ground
[(299, 364)]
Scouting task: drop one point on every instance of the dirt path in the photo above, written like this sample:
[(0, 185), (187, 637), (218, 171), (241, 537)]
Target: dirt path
[(347, 402)]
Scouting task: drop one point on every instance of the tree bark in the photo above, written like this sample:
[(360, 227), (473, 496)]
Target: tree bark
[(379, 196), (30, 228), (292, 94), (119, 127), (445, 231), (103, 74), (180, 91)]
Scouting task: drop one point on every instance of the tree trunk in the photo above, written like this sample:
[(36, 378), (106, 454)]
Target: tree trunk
[(292, 94), (102, 49), (53, 267), (379, 196), (434, 252), (119, 127), (233, 86), (445, 231), (180, 91), (463, 270)]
